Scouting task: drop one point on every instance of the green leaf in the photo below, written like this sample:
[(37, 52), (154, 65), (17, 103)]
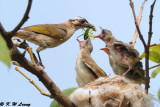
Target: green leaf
[(159, 94), (153, 56), (155, 72), (66, 92), (143, 55), (54, 104), (4, 52), (156, 49), (91, 35)]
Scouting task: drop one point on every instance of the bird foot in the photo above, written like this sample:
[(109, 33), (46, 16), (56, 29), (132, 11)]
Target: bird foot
[(125, 73), (24, 45)]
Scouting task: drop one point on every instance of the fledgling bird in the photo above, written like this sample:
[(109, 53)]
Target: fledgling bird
[(120, 70), (52, 35), (123, 58), (86, 68)]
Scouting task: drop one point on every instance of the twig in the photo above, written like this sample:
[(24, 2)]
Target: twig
[(148, 45), (31, 81), (154, 66), (5, 36), (25, 46), (132, 43), (24, 19), (31, 54), (15, 63), (137, 27), (155, 44)]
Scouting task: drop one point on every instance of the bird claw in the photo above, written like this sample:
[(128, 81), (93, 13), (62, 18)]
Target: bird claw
[(125, 73), (24, 45)]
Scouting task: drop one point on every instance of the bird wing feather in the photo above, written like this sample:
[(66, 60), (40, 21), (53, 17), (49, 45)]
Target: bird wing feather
[(52, 30), (139, 68), (86, 58), (125, 47)]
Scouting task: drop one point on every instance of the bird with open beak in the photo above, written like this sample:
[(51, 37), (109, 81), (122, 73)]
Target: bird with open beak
[(52, 35), (124, 59), (86, 68)]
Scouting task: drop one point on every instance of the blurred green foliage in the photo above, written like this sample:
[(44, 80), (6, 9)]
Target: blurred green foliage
[(4, 52), (66, 92)]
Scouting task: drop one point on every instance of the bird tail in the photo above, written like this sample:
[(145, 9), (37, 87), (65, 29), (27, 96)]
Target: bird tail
[(139, 68)]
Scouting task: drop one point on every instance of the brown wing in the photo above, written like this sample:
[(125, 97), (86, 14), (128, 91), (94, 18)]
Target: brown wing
[(86, 58), (52, 30), (126, 48)]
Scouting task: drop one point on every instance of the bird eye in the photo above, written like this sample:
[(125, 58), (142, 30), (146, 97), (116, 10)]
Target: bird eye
[(82, 21), (103, 32)]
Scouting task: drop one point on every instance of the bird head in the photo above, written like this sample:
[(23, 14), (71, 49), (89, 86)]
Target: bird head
[(86, 44), (80, 22), (104, 35)]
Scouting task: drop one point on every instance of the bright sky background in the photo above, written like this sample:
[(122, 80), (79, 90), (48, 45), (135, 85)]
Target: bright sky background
[(115, 15)]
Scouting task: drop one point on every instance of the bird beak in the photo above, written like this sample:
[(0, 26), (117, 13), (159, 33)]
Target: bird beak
[(94, 28), (103, 49), (98, 36), (101, 28), (81, 43), (106, 50), (91, 26), (78, 40)]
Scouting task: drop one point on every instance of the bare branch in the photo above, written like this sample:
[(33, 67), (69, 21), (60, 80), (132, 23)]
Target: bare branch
[(2, 31), (15, 63), (154, 66), (132, 43), (31, 54), (31, 81), (155, 44), (24, 19), (137, 27), (25, 46), (148, 45), (5, 36), (43, 77), (150, 24)]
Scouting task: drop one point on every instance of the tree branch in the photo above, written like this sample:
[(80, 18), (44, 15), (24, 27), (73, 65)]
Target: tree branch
[(137, 27), (43, 77), (148, 45), (132, 43), (31, 81), (5, 36), (24, 19), (155, 44), (154, 66)]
